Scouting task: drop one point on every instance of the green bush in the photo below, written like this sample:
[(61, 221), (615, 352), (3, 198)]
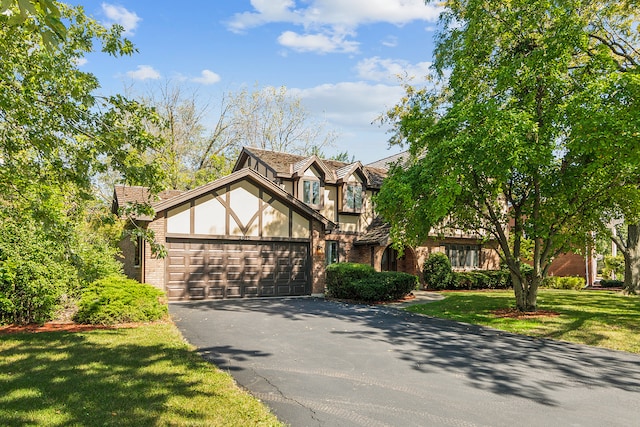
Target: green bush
[(498, 279), (613, 264), (437, 271), (385, 286), (563, 282), (34, 274), (341, 277), (611, 283), (116, 299)]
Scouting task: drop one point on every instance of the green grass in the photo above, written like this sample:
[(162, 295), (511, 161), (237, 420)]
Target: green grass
[(144, 376), (599, 318)]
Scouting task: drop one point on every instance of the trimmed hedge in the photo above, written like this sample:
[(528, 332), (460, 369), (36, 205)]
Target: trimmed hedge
[(564, 282), (385, 286), (116, 299), (604, 283), (362, 283), (439, 275), (437, 271), (342, 275)]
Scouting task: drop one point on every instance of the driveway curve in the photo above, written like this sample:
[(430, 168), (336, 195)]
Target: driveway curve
[(316, 362)]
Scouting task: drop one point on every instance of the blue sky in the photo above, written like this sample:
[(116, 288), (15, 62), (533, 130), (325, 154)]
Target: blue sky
[(340, 57)]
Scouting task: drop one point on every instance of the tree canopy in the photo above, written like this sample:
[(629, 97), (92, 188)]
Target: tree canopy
[(530, 129), (56, 133)]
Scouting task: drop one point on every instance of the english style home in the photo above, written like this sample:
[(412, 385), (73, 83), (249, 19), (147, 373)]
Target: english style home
[(271, 227)]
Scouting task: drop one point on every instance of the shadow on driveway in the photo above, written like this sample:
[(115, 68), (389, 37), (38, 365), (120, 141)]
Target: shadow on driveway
[(469, 361)]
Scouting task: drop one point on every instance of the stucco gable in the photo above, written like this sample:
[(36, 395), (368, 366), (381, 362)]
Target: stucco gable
[(254, 177)]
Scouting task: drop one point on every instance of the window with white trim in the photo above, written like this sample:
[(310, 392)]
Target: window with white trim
[(463, 256), (331, 251), (311, 192), (352, 197)]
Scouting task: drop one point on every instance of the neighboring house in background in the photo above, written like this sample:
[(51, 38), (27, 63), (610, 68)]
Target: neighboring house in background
[(271, 227)]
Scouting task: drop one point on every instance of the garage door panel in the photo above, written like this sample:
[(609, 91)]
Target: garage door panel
[(214, 269)]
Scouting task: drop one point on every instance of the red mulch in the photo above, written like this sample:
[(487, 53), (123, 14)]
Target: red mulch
[(515, 314), (57, 327)]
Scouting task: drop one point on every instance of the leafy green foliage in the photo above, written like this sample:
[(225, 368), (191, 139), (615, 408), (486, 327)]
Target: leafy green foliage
[(34, 274), (384, 286), (564, 282), (530, 133), (361, 282), (611, 283), (56, 134), (482, 279), (116, 299), (342, 275), (613, 265), (437, 272)]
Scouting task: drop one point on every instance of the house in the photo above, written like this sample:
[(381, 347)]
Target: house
[(271, 227)]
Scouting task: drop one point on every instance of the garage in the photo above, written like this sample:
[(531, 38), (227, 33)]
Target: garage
[(214, 269)]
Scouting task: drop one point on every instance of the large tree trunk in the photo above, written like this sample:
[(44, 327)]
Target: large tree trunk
[(525, 290), (632, 260)]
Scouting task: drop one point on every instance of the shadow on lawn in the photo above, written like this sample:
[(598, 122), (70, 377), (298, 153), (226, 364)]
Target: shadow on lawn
[(80, 382), (495, 361)]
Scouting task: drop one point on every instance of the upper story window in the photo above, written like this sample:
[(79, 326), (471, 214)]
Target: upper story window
[(311, 192), (352, 197)]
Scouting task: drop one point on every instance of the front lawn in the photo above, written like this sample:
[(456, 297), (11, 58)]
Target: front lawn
[(143, 376), (599, 318)]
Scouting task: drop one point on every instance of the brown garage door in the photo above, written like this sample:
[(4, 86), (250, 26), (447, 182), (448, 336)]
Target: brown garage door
[(200, 269)]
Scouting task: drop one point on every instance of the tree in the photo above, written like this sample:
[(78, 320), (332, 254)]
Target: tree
[(270, 118), (630, 248), (510, 139), (55, 135), (195, 152)]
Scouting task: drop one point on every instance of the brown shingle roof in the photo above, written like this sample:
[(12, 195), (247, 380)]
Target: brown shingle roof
[(388, 161), (285, 163), (130, 194), (377, 233)]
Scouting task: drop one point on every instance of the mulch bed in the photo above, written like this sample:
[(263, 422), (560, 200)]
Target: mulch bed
[(512, 313)]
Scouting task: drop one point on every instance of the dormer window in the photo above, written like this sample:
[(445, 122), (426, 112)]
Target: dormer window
[(352, 197), (311, 192)]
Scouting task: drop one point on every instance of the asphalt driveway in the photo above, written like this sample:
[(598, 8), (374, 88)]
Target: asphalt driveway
[(322, 363)]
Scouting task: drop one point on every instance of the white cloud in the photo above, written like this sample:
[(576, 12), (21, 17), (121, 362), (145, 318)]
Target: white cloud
[(81, 61), (390, 41), (265, 11), (144, 72), (328, 19), (380, 70), (350, 104), (207, 77), (351, 109), (119, 15), (320, 43)]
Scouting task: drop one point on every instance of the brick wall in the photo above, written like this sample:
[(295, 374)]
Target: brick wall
[(318, 260), (568, 264), (128, 252), (154, 268)]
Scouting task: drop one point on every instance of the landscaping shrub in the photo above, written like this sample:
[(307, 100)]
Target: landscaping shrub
[(341, 277), (613, 264), (437, 271), (611, 283), (116, 299), (34, 274), (497, 279), (563, 282), (385, 286)]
